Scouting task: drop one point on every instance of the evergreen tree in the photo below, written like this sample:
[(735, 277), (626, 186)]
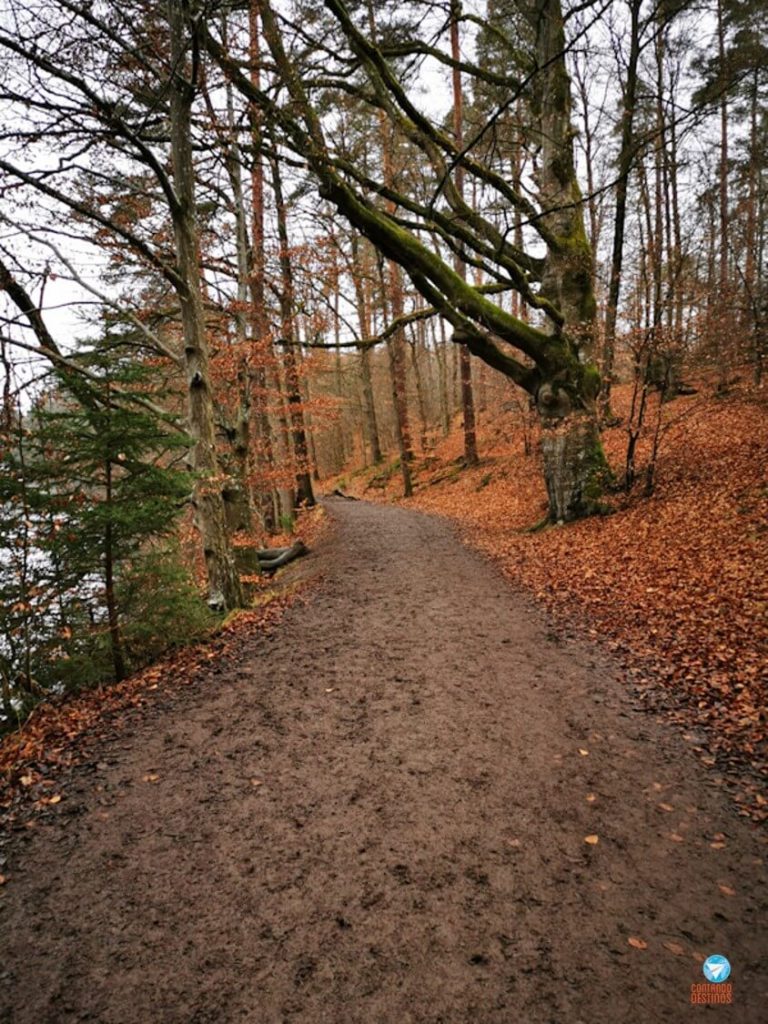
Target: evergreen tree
[(90, 495)]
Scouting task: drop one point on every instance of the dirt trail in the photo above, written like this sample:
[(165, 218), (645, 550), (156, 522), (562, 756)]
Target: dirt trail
[(415, 849)]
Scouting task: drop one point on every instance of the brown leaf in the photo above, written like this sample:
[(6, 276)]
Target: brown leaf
[(726, 890), (591, 798), (55, 799), (583, 752), (674, 947), (3, 879), (151, 778), (676, 837), (592, 840), (637, 943), (717, 846), (666, 807)]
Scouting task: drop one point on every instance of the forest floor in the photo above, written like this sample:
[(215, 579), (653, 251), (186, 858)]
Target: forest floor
[(411, 801), (675, 584)]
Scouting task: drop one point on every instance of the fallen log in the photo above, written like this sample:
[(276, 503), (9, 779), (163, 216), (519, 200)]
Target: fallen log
[(266, 554), (271, 559)]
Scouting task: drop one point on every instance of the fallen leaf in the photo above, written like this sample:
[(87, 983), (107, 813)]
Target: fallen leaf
[(637, 943), (329, 689), (719, 837), (3, 879), (591, 798), (583, 752), (726, 890), (513, 842), (26, 780), (592, 840), (256, 782), (55, 799), (674, 947), (666, 807), (717, 846), (676, 837), (151, 778)]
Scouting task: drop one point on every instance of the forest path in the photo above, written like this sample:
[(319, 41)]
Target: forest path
[(414, 850)]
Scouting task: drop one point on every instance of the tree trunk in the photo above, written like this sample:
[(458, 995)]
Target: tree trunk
[(260, 333), (723, 190), (364, 320), (239, 496), (626, 160), (420, 399), (441, 353), (574, 463), (396, 347), (115, 640), (304, 493), (574, 467), (465, 363), (223, 580)]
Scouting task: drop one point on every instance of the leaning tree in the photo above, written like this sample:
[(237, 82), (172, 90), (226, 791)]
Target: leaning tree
[(323, 51)]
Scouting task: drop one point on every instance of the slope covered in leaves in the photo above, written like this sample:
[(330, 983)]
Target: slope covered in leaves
[(677, 582)]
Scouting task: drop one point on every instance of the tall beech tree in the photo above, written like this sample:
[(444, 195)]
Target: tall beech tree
[(551, 360)]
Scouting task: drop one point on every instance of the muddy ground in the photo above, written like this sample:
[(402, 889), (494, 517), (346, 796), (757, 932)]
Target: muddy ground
[(378, 816)]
